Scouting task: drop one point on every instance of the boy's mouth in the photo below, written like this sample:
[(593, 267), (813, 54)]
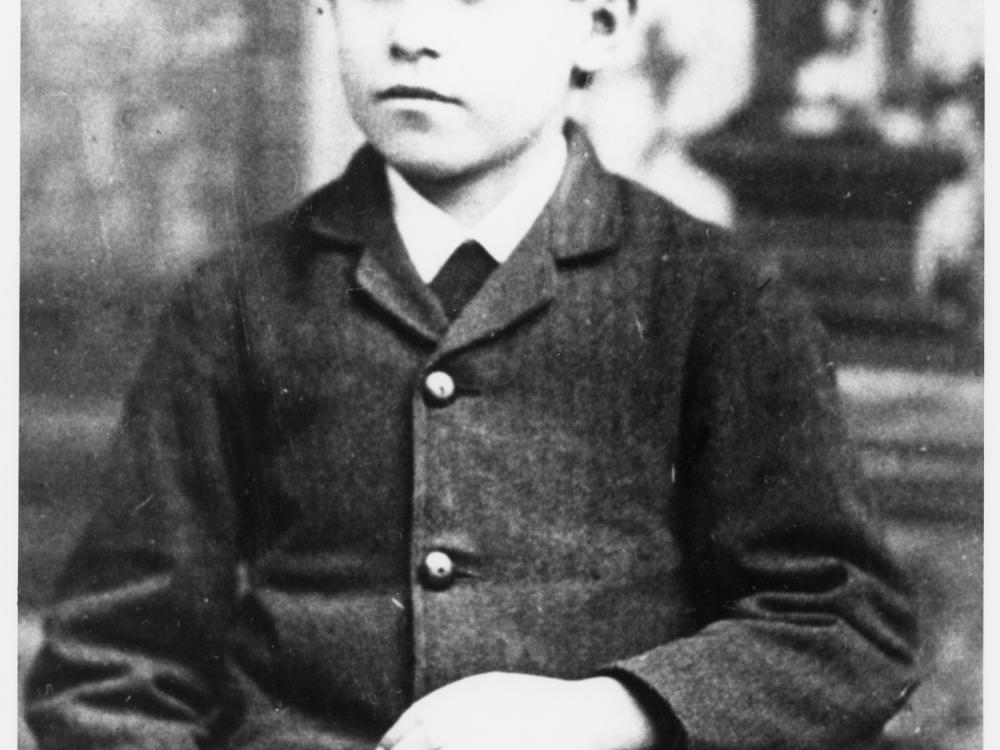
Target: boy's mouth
[(414, 92)]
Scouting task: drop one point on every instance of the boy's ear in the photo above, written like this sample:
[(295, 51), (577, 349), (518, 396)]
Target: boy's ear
[(609, 21)]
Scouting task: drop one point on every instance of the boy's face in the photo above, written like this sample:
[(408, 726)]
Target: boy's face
[(448, 88)]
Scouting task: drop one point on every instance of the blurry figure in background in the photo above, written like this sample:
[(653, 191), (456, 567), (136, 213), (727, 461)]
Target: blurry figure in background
[(691, 67), (838, 90), (948, 258)]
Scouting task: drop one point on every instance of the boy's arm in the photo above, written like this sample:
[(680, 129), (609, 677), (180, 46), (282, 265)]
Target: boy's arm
[(808, 635), (133, 651)]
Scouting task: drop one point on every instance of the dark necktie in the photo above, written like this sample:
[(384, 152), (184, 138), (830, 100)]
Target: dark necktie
[(460, 278)]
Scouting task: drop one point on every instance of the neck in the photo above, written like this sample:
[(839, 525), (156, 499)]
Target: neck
[(469, 197)]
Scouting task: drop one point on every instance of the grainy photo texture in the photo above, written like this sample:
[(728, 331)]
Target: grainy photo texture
[(501, 374)]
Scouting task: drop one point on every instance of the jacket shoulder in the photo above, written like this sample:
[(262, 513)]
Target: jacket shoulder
[(707, 255), (651, 217), (735, 289), (266, 253)]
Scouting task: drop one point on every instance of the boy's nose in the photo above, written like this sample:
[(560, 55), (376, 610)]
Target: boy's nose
[(410, 52), (417, 32)]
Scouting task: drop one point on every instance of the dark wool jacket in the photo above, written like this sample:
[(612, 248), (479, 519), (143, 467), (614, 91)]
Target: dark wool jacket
[(642, 469)]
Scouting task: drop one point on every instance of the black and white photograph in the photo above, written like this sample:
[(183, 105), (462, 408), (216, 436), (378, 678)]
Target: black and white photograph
[(501, 375)]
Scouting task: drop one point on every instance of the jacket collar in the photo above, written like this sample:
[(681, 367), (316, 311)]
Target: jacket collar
[(431, 235), (583, 218)]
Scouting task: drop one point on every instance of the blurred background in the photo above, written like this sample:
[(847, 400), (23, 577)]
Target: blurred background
[(841, 140)]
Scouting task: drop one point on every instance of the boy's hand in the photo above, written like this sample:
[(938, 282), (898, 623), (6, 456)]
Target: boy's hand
[(500, 711)]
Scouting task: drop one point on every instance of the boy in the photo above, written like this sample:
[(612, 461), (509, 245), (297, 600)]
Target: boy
[(580, 483)]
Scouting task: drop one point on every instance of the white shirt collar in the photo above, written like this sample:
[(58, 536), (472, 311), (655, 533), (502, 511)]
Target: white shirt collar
[(430, 235)]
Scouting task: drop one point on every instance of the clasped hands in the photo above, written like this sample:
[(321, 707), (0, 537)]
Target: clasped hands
[(505, 711)]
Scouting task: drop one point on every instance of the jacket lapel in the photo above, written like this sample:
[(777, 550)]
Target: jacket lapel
[(522, 285), (356, 211), (387, 276), (583, 218)]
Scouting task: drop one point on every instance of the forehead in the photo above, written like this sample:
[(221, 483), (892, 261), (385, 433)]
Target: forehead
[(502, 16), (631, 4)]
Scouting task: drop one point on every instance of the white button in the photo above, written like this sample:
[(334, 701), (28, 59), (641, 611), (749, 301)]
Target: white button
[(438, 570), (440, 386)]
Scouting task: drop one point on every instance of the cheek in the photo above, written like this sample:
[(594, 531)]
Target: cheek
[(354, 65), (349, 80), (533, 89), (357, 49), (530, 68), (545, 71)]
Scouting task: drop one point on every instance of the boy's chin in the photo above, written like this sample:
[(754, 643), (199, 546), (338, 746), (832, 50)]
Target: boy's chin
[(435, 165)]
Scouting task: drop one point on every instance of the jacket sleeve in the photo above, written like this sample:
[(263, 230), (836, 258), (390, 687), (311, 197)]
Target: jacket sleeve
[(808, 635), (133, 656)]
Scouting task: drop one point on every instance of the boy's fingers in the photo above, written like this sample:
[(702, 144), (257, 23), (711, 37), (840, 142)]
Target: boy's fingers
[(405, 725), (417, 739)]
